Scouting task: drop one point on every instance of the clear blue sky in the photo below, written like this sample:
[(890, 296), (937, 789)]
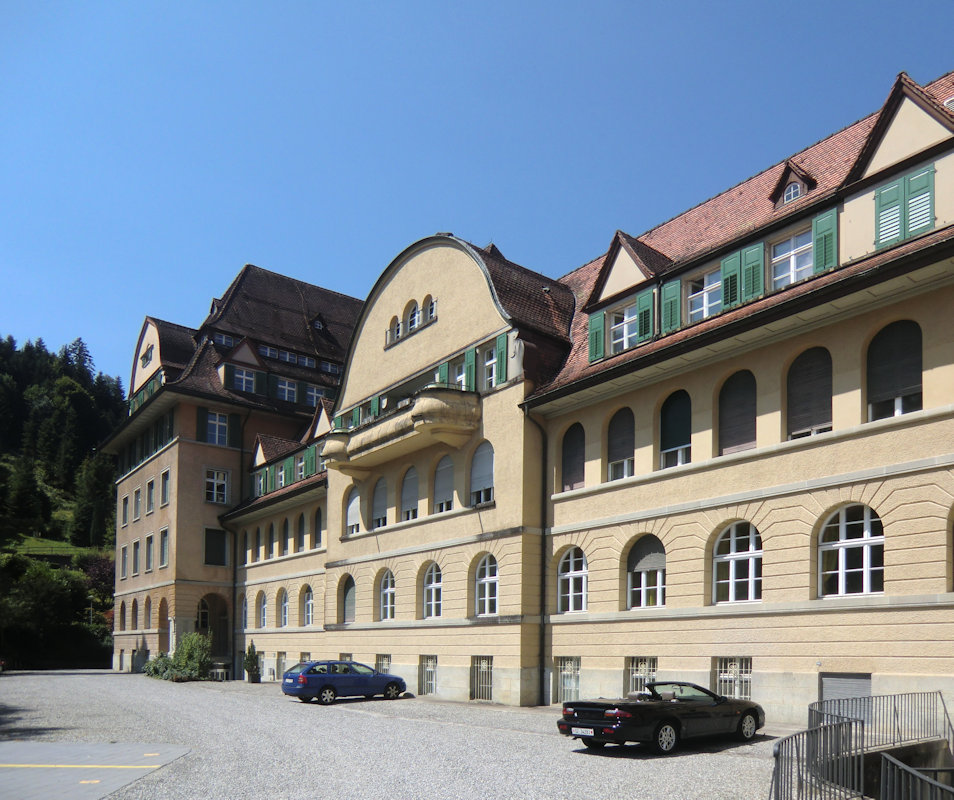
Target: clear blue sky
[(150, 149)]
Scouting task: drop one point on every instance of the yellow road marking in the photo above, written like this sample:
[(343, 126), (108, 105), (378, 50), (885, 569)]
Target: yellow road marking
[(81, 766), (89, 781)]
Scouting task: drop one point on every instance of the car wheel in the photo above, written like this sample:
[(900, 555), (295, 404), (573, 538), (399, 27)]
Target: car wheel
[(327, 696), (392, 691), (666, 737), (593, 744), (747, 727), (306, 699)]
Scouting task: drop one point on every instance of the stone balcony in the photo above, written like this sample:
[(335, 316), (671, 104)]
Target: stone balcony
[(435, 415)]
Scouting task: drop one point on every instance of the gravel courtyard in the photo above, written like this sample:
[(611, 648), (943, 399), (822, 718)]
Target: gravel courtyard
[(249, 741)]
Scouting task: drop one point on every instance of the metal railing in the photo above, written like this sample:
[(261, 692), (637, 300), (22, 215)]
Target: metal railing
[(901, 782), (827, 760)]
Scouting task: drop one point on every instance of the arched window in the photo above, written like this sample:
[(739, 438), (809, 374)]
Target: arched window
[(262, 610), (894, 370), (737, 565), (571, 581), (737, 413), (282, 603), (486, 586), (271, 541), (244, 612), (409, 495), (285, 533), (134, 616), (316, 535), (243, 558), (851, 552), (394, 329), (573, 457), (792, 191), (808, 390), (482, 475), (429, 307), (646, 569), (675, 430), (147, 614), (386, 595), (379, 504), (308, 606), (300, 539), (122, 616), (347, 599), (620, 445), (444, 485), (203, 615), (413, 318), (353, 514), (432, 591), (257, 552)]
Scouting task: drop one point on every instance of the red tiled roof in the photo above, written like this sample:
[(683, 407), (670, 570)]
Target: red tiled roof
[(275, 447)]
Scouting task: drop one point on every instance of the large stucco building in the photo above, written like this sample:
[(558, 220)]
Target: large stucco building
[(720, 451)]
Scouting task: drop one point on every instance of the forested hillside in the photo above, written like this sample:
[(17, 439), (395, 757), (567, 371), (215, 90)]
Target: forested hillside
[(53, 412)]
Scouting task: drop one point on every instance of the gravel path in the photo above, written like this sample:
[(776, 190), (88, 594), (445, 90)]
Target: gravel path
[(249, 741)]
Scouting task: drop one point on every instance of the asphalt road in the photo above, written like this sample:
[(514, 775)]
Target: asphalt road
[(234, 740)]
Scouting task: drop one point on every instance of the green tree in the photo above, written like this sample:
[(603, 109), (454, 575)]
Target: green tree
[(94, 514)]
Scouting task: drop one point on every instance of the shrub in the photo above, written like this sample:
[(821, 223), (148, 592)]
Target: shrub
[(250, 662), (190, 662), (158, 667)]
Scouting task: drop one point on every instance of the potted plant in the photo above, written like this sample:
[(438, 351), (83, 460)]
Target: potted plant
[(250, 664)]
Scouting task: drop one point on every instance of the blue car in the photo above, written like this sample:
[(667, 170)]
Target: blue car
[(326, 680)]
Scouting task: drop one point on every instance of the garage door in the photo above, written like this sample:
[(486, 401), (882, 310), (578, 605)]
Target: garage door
[(836, 685)]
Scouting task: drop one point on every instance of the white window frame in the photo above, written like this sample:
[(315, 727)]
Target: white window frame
[(640, 670), (124, 513), (287, 390), (705, 295), (262, 615), (137, 504), (165, 484), (572, 582), (644, 585), (353, 522), (148, 553), (624, 328), (309, 607), (283, 609), (313, 395), (217, 428), (486, 585), (387, 596), (299, 468), (489, 376), (244, 380), (744, 556), (123, 563), (432, 585), (567, 683), (150, 496), (135, 557), (844, 547), (164, 548), (675, 456), (733, 676), (216, 486), (792, 259), (792, 192)]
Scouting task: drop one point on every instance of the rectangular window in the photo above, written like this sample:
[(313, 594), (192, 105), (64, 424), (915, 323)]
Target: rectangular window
[(306, 361), (260, 481), (216, 486), (217, 428), (732, 676), (427, 675), (125, 511), (675, 457), (287, 390), (792, 260), (268, 352), (135, 558), (299, 468), (223, 339), (640, 670), (150, 497), (312, 395), (624, 329), (705, 296), (482, 678), (244, 380), (567, 683), (123, 558), (215, 547), (164, 488), (621, 469), (164, 548), (149, 553), (382, 662), (137, 504), (490, 367)]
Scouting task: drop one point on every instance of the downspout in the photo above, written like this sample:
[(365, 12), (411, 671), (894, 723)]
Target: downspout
[(542, 696), (235, 544)]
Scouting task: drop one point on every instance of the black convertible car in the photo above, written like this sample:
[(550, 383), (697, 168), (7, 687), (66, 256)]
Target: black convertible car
[(664, 713)]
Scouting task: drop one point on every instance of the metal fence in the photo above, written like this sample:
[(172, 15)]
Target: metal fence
[(901, 782), (827, 760), (482, 678)]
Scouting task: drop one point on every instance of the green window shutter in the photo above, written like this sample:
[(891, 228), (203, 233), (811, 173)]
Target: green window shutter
[(731, 278), (500, 375), (470, 370), (339, 422), (272, 385), (300, 391), (888, 224), (919, 202), (355, 417), (310, 459), (261, 383), (201, 424), (597, 335), (825, 241), (375, 405), (671, 302), (235, 430), (753, 271), (289, 467), (442, 373), (270, 480), (229, 376), (645, 323)]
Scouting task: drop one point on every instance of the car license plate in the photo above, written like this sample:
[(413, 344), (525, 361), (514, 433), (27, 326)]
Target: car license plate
[(289, 680), (581, 731)]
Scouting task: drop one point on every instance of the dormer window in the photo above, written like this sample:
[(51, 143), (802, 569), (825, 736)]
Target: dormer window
[(146, 356), (223, 339), (705, 296), (792, 192)]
